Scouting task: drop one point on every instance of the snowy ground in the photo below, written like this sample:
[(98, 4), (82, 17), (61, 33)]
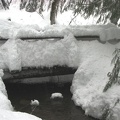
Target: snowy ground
[(93, 60), (6, 110), (23, 17), (91, 78)]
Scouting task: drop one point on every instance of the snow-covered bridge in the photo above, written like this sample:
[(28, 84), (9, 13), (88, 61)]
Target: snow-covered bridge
[(91, 59), (29, 51)]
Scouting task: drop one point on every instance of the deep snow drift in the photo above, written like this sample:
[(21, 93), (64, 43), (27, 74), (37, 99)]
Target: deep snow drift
[(91, 78)]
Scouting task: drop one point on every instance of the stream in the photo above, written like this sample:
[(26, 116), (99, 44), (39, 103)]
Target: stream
[(49, 109)]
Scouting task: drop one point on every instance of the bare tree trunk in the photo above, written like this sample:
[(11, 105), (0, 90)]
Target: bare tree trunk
[(53, 12), (31, 6), (5, 5), (23, 3)]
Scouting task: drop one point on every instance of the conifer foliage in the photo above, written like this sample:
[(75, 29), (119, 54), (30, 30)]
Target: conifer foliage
[(114, 75), (5, 3), (103, 9)]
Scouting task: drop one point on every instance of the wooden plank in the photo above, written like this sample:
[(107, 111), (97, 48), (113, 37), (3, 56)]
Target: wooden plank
[(83, 38), (56, 37)]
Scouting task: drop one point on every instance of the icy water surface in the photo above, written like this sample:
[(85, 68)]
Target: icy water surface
[(49, 109)]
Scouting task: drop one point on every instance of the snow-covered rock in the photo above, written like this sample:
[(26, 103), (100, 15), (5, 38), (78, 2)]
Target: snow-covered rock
[(56, 95), (34, 103)]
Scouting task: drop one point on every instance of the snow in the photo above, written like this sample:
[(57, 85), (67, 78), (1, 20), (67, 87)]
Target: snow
[(92, 59), (34, 103), (17, 53), (4, 102), (26, 24), (79, 20), (91, 78), (25, 18), (10, 55), (8, 115), (6, 110), (56, 95), (9, 29)]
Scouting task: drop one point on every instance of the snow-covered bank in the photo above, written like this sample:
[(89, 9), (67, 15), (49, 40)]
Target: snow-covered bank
[(6, 109), (91, 78), (10, 115), (5, 104)]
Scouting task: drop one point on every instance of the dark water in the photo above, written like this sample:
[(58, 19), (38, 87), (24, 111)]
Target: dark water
[(56, 109)]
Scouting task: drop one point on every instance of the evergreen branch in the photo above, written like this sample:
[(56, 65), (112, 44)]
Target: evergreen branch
[(113, 77), (108, 112)]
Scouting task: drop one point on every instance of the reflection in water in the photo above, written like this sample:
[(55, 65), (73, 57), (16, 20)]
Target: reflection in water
[(49, 109)]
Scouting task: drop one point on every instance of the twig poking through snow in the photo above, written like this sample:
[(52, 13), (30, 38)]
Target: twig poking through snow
[(73, 18), (34, 104)]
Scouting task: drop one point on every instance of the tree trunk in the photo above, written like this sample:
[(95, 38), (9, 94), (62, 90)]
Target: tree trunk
[(5, 5), (53, 12), (22, 4), (31, 6)]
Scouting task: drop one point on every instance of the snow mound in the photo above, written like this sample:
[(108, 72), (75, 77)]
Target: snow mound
[(10, 55), (9, 29), (12, 30), (91, 78), (4, 102), (34, 103), (9, 115), (56, 95)]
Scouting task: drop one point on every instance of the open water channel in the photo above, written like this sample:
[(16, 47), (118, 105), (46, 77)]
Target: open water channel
[(49, 109)]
